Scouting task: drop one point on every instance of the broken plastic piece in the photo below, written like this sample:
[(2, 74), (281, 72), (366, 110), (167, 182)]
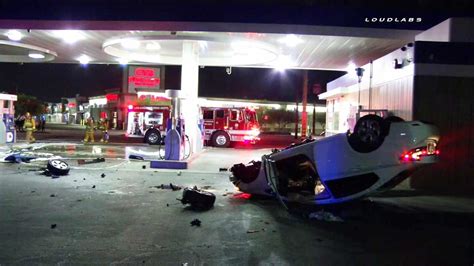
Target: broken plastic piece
[(196, 222), (96, 160), (198, 199)]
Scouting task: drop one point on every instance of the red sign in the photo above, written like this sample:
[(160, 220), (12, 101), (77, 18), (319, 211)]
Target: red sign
[(111, 97), (144, 77), (71, 105), (144, 72)]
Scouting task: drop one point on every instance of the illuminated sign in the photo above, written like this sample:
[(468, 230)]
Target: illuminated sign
[(112, 97), (152, 100), (143, 77), (71, 105)]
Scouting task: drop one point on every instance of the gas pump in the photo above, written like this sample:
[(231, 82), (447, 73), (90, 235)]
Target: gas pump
[(10, 132), (175, 135)]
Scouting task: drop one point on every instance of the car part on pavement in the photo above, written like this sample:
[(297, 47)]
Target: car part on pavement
[(58, 167), (331, 170), (198, 199), (96, 160)]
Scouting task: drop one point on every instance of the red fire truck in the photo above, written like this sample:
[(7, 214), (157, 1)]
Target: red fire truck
[(223, 125), (148, 123)]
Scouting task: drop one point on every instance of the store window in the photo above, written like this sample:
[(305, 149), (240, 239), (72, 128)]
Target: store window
[(6, 104)]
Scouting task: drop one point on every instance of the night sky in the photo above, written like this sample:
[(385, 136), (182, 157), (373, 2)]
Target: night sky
[(50, 82)]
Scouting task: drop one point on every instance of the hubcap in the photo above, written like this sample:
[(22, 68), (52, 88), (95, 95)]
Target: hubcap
[(153, 137), (369, 131), (221, 140), (59, 164)]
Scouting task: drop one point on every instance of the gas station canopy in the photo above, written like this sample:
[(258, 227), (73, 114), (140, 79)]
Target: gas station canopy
[(303, 47)]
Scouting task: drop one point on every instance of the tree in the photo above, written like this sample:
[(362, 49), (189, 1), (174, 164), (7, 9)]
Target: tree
[(279, 117), (27, 103)]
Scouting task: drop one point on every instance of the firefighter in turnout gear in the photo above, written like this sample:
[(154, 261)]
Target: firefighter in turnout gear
[(104, 127), (29, 126), (89, 136)]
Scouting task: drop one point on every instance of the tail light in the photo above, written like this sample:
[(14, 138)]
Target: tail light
[(417, 153)]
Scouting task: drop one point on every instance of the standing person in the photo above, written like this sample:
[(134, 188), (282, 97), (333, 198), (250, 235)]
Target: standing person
[(22, 122), (89, 136), (43, 122), (29, 126), (104, 127)]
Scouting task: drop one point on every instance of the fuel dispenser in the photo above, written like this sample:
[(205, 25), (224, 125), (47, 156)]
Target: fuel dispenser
[(7, 115), (175, 135)]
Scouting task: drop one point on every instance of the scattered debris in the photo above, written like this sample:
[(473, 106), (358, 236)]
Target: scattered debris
[(167, 204), (84, 178), (79, 200), (102, 175), (252, 231), (198, 199), (135, 157), (196, 222), (206, 187), (53, 226), (227, 194), (223, 169), (170, 186), (46, 173), (52, 195), (143, 166), (324, 216), (178, 173), (96, 160), (93, 186), (33, 191), (18, 158)]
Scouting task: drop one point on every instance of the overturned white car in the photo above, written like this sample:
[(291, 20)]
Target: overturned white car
[(377, 156)]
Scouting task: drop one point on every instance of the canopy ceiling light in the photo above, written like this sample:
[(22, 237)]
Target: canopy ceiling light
[(14, 35), (167, 49), (15, 52), (69, 36)]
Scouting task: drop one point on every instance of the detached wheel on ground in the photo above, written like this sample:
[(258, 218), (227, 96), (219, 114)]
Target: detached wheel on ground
[(153, 137), (58, 167), (220, 139), (368, 134)]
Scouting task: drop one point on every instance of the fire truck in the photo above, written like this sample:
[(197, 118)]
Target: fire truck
[(223, 125), (148, 123)]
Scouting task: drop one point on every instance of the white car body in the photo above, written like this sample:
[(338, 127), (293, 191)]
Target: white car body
[(339, 172)]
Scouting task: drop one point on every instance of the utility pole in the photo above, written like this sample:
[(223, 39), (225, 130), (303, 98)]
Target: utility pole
[(304, 114), (296, 116)]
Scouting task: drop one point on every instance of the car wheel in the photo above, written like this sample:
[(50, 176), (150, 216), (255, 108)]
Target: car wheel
[(58, 167), (368, 134), (153, 137), (221, 139)]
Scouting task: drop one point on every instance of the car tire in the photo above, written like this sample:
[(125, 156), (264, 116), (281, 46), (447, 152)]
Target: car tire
[(58, 167), (153, 137), (220, 139), (368, 134)]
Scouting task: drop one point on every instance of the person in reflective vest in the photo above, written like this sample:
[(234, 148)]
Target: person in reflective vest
[(29, 126), (89, 136), (104, 127)]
